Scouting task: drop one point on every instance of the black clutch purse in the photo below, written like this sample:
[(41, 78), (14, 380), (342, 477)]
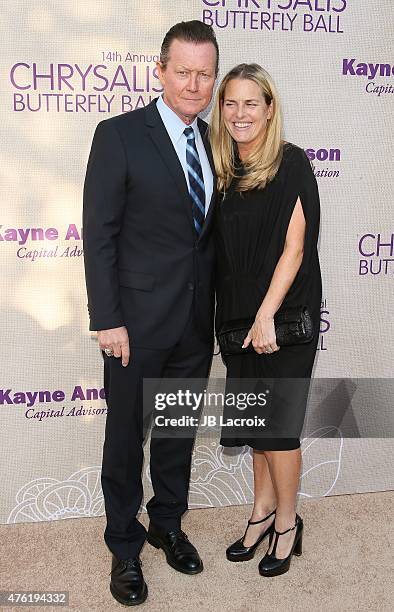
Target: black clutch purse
[(292, 326)]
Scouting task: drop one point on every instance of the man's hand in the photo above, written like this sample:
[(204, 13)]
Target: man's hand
[(116, 339)]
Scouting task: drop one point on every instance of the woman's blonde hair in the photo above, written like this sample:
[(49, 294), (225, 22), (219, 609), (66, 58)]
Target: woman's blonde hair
[(263, 163)]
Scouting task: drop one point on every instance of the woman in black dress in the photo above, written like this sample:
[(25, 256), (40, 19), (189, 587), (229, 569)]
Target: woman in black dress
[(267, 231)]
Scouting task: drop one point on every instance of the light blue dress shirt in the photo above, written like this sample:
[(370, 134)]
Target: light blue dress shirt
[(175, 127)]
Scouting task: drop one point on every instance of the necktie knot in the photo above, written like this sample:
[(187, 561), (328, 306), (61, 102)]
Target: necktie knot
[(189, 133)]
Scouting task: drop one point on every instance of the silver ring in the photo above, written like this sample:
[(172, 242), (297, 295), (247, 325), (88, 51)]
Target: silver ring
[(269, 350), (109, 352)]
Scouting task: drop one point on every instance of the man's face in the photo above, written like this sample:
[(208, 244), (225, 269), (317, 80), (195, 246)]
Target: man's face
[(188, 78)]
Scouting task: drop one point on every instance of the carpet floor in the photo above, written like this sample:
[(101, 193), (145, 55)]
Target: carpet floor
[(346, 565)]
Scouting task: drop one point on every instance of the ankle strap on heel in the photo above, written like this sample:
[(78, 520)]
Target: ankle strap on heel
[(279, 533), (289, 529), (298, 520), (263, 519)]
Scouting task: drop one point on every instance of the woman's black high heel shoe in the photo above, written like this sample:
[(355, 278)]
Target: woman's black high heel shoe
[(239, 552), (269, 564)]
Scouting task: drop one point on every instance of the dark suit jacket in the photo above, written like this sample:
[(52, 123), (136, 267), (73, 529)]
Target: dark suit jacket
[(145, 265)]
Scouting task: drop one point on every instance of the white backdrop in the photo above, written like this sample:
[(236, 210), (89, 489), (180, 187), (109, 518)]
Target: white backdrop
[(65, 66)]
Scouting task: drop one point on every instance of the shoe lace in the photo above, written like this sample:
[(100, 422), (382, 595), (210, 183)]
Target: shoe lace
[(128, 563), (176, 538), (133, 563)]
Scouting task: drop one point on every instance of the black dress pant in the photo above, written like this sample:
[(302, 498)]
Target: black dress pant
[(170, 458)]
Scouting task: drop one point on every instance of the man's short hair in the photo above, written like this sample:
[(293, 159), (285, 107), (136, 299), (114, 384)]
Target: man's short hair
[(189, 31)]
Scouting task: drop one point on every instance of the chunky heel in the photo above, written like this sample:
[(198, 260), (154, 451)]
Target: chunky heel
[(298, 546), (270, 565)]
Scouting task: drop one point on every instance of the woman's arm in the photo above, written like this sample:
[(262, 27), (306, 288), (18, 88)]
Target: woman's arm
[(262, 333)]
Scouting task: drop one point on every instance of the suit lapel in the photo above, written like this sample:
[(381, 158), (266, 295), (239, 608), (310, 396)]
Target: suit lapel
[(204, 133), (162, 142)]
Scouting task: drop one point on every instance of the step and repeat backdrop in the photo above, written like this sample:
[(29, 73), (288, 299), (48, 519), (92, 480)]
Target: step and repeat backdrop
[(67, 65)]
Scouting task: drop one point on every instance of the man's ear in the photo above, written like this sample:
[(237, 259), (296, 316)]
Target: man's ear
[(161, 72)]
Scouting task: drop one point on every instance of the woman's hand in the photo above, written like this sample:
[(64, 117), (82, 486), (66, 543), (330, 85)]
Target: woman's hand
[(262, 335)]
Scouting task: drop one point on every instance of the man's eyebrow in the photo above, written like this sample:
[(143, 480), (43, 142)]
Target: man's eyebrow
[(186, 68)]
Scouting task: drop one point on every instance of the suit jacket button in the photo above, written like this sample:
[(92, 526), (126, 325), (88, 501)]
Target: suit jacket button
[(190, 286)]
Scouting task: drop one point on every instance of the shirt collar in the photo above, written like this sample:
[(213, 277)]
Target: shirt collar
[(174, 125)]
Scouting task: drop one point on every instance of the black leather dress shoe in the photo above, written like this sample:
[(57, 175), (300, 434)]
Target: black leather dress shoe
[(180, 553), (128, 586)]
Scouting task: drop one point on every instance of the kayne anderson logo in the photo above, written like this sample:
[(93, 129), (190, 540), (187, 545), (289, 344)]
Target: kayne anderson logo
[(33, 402), (351, 67), (29, 238), (316, 156)]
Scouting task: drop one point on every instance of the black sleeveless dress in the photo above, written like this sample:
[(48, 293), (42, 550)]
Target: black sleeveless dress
[(251, 229)]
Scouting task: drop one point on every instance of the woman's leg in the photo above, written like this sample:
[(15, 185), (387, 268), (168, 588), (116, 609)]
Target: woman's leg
[(284, 468), (264, 498)]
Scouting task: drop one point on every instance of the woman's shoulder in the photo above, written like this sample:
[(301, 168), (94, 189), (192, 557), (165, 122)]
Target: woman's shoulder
[(295, 157), (293, 152)]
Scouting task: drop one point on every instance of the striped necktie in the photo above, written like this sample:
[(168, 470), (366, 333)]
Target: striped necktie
[(196, 180)]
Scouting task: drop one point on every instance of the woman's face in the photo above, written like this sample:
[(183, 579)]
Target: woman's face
[(245, 112)]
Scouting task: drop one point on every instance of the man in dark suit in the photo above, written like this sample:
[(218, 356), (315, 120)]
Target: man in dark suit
[(149, 264)]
